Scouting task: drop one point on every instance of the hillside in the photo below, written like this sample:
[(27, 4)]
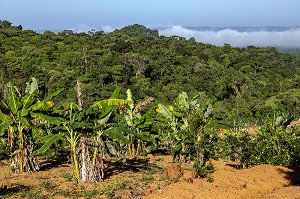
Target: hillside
[(246, 84), (134, 102)]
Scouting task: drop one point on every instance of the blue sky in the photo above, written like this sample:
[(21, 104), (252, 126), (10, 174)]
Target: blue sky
[(67, 14)]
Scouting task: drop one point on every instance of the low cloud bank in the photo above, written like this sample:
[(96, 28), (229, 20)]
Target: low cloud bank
[(81, 28), (280, 37), (85, 28), (288, 38)]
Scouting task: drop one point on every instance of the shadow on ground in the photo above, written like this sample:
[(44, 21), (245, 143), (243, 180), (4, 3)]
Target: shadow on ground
[(12, 189), (293, 176), (134, 165), (58, 161), (49, 164)]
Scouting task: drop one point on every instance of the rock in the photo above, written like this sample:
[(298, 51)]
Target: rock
[(189, 180), (189, 174), (173, 171), (151, 188), (147, 192)]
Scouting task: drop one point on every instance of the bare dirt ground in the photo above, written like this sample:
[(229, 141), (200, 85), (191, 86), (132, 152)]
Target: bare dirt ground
[(153, 177)]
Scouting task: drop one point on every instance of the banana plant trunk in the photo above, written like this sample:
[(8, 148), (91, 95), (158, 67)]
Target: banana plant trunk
[(84, 169), (91, 170), (76, 165), (21, 148), (21, 160)]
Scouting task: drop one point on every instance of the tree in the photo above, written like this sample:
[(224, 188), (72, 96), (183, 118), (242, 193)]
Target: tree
[(5, 24)]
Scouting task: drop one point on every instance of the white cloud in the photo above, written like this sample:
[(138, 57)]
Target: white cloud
[(107, 28), (288, 38), (81, 28), (86, 28)]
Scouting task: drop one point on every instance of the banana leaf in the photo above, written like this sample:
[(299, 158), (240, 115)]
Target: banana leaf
[(79, 124), (38, 106), (44, 104), (129, 98), (183, 100), (49, 140), (106, 103), (128, 120), (4, 117), (108, 110), (116, 93), (24, 122), (33, 87), (27, 101), (49, 119), (117, 135), (13, 103), (130, 132), (24, 112), (103, 120), (165, 112), (50, 96), (4, 125)]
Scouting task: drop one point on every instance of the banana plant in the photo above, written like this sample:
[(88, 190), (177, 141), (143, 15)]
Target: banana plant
[(135, 124), (70, 128), (93, 170), (185, 120), (18, 121), (67, 128)]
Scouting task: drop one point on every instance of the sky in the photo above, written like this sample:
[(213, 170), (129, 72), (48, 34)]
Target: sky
[(64, 14), (81, 15)]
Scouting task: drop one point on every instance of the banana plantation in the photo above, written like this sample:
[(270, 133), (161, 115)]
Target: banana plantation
[(32, 128)]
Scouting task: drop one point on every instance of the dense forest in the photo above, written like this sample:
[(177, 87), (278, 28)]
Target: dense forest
[(246, 84), (208, 86)]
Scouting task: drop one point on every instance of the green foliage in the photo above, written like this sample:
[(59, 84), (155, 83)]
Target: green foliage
[(239, 147), (239, 86), (138, 58), (4, 151), (48, 140), (205, 170), (189, 121), (274, 144), (18, 122)]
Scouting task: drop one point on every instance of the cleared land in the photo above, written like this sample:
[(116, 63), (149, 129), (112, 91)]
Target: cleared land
[(148, 178)]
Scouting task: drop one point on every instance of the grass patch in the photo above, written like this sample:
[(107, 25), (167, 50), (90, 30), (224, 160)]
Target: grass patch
[(146, 179), (34, 194), (68, 177), (150, 170), (48, 185), (110, 190), (92, 194)]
